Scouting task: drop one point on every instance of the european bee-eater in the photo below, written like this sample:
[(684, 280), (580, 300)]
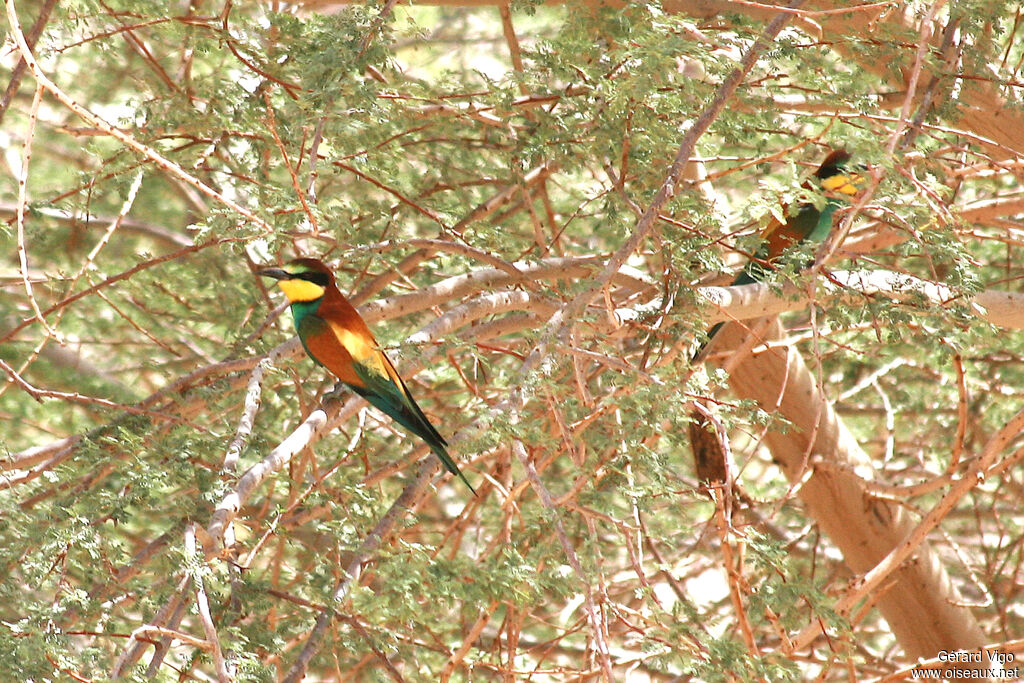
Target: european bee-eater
[(336, 337), (809, 225)]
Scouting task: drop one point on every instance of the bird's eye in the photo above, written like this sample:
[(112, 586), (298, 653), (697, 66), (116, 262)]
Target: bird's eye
[(321, 279)]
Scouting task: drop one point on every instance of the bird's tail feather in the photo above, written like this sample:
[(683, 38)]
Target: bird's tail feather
[(450, 465), (386, 397)]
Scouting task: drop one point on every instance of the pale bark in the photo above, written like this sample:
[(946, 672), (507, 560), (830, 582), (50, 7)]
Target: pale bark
[(921, 605)]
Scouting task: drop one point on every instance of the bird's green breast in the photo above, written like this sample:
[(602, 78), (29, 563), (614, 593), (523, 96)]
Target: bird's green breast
[(304, 316), (302, 309), (823, 225), (811, 225)]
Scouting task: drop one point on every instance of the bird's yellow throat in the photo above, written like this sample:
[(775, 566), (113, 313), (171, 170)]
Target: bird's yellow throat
[(300, 290), (844, 184)]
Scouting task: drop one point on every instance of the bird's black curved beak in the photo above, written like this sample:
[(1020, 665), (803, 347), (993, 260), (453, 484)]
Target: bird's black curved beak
[(275, 273)]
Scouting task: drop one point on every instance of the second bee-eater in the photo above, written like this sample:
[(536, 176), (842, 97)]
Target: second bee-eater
[(336, 337), (808, 225)]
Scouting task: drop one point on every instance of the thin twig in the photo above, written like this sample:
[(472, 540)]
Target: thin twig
[(203, 603), (92, 119), (19, 69)]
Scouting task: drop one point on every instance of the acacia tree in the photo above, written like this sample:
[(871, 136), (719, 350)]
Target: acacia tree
[(536, 208)]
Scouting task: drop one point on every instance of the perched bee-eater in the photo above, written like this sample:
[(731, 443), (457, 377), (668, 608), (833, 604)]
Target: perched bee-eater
[(336, 337), (808, 225)]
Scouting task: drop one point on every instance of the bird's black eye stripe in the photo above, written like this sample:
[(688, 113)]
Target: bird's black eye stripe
[(321, 279)]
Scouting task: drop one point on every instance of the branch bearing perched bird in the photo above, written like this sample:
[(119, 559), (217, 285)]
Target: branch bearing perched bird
[(808, 225), (336, 337)]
